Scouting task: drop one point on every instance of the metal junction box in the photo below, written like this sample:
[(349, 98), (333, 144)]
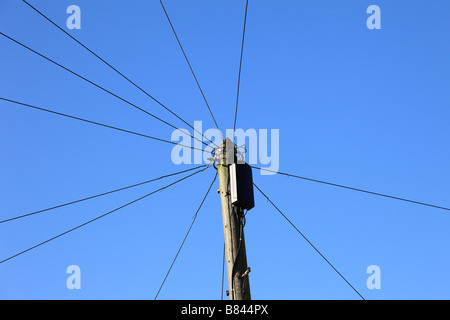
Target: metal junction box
[(241, 185)]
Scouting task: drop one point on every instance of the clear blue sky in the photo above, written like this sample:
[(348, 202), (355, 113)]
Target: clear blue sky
[(364, 108)]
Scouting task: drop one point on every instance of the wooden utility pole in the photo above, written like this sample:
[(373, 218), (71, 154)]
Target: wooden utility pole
[(238, 279)]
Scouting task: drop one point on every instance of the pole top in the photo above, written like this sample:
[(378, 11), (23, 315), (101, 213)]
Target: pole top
[(225, 153), (225, 142)]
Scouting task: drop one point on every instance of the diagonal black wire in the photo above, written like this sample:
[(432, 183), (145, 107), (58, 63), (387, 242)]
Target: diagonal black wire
[(117, 71), (98, 86), (240, 68), (189, 64), (99, 217), (185, 237), (100, 195), (96, 123), (309, 242), (354, 189)]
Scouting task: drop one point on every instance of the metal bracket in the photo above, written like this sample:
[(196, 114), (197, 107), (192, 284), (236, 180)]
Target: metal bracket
[(246, 272)]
